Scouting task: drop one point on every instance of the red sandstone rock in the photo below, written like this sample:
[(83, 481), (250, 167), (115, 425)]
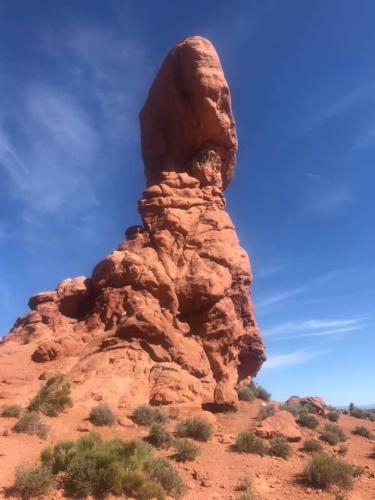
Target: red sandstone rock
[(312, 401), (282, 424), (166, 318)]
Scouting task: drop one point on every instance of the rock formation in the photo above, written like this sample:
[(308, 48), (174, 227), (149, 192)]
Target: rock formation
[(167, 317)]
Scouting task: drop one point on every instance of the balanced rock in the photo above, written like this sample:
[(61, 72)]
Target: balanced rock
[(167, 317)]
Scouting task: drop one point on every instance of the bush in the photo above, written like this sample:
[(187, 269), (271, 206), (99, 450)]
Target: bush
[(13, 411), (309, 421), (32, 481), (195, 427), (148, 415), (260, 392), (53, 397), (244, 484), (342, 449), (360, 430), (159, 436), (186, 450), (95, 467), (31, 423), (102, 415), (336, 430), (245, 393), (311, 446), (294, 409), (330, 437), (325, 470), (279, 447), (247, 442), (358, 413), (333, 416), (162, 471), (266, 411)]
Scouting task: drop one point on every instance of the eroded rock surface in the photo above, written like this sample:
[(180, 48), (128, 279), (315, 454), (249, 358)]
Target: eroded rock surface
[(167, 317)]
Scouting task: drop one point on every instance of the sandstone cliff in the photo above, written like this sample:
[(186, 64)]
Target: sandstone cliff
[(167, 317)]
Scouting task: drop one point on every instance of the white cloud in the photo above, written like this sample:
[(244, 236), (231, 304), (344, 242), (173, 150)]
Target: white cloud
[(313, 328), (291, 358)]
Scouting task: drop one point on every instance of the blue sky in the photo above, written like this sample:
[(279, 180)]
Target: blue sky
[(73, 76)]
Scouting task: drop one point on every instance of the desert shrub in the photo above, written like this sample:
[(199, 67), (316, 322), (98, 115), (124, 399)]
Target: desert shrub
[(342, 449), (159, 436), (330, 437), (102, 415), (195, 427), (307, 420), (186, 450), (31, 423), (279, 447), (245, 393), (356, 412), (266, 411), (295, 409), (13, 411), (58, 457), (361, 430), (148, 415), (325, 470), (336, 430), (53, 397), (311, 446), (248, 442), (163, 472), (333, 416), (247, 496), (244, 484), (260, 392), (32, 481), (150, 490)]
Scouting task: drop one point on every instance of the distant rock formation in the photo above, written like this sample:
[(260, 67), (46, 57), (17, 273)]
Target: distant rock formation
[(167, 317)]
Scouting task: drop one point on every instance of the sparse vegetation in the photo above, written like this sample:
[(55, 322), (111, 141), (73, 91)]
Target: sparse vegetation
[(361, 430), (307, 420), (160, 437), (53, 397), (148, 415), (356, 412), (333, 416), (246, 486), (13, 411), (95, 467), (342, 449), (32, 481), (312, 446), (297, 409), (266, 411), (31, 423), (195, 427), (279, 447), (186, 450), (102, 415), (330, 437), (325, 470), (248, 442), (336, 430), (245, 393)]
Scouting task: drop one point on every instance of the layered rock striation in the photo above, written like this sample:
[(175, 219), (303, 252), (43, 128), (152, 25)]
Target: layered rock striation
[(166, 318)]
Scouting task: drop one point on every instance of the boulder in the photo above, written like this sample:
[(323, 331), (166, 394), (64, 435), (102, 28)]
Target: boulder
[(282, 424)]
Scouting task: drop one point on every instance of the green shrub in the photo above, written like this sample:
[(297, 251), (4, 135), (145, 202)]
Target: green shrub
[(13, 411), (336, 430), (148, 415), (162, 471), (245, 393), (325, 470), (186, 450), (102, 415), (159, 436), (247, 442), (31, 423), (195, 427), (279, 447), (333, 416), (53, 397), (342, 449), (307, 420), (260, 392), (294, 409), (59, 457), (360, 430), (32, 481), (311, 446), (266, 411), (150, 490), (358, 413), (330, 437)]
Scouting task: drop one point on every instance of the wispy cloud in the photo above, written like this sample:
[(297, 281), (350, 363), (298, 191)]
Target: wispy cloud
[(292, 358), (313, 328), (325, 197)]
